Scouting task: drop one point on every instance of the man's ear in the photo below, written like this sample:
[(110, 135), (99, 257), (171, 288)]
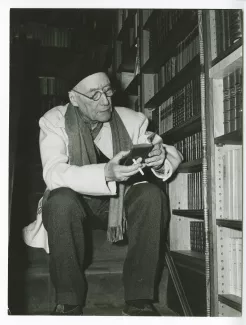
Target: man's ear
[(72, 98)]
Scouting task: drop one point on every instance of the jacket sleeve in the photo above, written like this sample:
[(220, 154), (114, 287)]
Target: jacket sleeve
[(57, 172), (173, 156)]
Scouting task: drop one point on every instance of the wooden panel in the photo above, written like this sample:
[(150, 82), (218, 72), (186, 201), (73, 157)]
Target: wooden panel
[(227, 311), (228, 65), (213, 45), (218, 107), (232, 301), (194, 285), (190, 166), (224, 263)]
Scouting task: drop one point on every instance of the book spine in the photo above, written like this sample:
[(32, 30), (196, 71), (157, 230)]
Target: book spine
[(226, 103)]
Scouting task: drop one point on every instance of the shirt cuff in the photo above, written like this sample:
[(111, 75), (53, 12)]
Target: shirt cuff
[(165, 172)]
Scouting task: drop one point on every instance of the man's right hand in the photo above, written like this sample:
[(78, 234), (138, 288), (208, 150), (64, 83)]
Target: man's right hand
[(120, 173)]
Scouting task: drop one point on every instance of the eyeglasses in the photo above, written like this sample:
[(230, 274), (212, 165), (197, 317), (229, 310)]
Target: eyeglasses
[(97, 95)]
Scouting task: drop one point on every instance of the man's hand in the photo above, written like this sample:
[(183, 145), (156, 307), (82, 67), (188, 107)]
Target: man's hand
[(116, 172), (156, 157)]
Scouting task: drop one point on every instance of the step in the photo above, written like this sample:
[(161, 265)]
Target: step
[(105, 293)]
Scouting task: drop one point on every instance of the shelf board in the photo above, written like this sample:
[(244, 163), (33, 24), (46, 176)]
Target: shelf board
[(232, 301), (189, 259), (175, 36), (234, 137), (190, 166), (150, 20), (192, 69), (126, 24), (196, 214), (228, 223), (132, 88), (183, 130), (227, 65), (227, 53)]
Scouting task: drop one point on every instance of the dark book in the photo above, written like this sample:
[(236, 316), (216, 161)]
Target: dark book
[(226, 103), (232, 114), (236, 25)]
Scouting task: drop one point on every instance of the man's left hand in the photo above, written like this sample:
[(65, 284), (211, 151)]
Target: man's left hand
[(156, 157)]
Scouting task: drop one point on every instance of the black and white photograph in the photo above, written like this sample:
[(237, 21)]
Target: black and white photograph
[(125, 162)]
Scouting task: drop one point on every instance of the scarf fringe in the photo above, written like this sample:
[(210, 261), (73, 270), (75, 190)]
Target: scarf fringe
[(116, 233)]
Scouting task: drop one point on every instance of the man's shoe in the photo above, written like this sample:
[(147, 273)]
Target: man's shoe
[(61, 310), (147, 310)]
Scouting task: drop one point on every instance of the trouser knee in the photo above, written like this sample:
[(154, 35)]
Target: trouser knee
[(62, 206)]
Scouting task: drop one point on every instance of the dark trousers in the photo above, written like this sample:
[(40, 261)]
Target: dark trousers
[(66, 215)]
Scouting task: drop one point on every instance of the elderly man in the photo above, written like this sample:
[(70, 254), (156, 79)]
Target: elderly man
[(81, 145)]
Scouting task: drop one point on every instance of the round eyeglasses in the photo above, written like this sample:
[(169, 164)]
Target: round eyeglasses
[(97, 95)]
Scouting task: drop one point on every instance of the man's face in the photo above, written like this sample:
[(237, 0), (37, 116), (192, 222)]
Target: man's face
[(95, 111)]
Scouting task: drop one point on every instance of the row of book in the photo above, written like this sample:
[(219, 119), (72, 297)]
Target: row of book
[(163, 24), (179, 108), (146, 14), (52, 86), (233, 101), (232, 184), (122, 15), (47, 35), (235, 265), (190, 147), (185, 54), (195, 191), (229, 28), (197, 236)]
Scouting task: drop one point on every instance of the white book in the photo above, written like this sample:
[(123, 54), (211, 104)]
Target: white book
[(232, 266), (239, 266)]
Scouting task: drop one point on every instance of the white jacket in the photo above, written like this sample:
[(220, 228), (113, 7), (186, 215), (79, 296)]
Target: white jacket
[(89, 179)]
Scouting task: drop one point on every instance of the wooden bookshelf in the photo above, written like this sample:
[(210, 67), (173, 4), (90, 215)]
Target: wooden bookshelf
[(233, 224), (190, 166), (175, 36), (150, 20), (191, 70), (132, 88), (197, 214), (227, 65), (190, 126), (126, 24), (232, 301), (234, 137), (228, 53), (224, 183), (190, 259)]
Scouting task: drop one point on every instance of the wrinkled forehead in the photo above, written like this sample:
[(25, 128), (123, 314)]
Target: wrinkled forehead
[(93, 82)]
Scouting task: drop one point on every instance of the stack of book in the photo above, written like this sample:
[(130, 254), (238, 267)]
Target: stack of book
[(187, 102), (233, 103), (47, 35), (197, 236), (232, 184), (235, 265), (195, 191), (180, 107), (229, 27), (164, 23), (52, 86), (191, 147), (186, 51)]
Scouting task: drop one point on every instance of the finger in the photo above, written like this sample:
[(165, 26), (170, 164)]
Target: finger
[(156, 152), (127, 169), (153, 159), (120, 155), (131, 173)]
